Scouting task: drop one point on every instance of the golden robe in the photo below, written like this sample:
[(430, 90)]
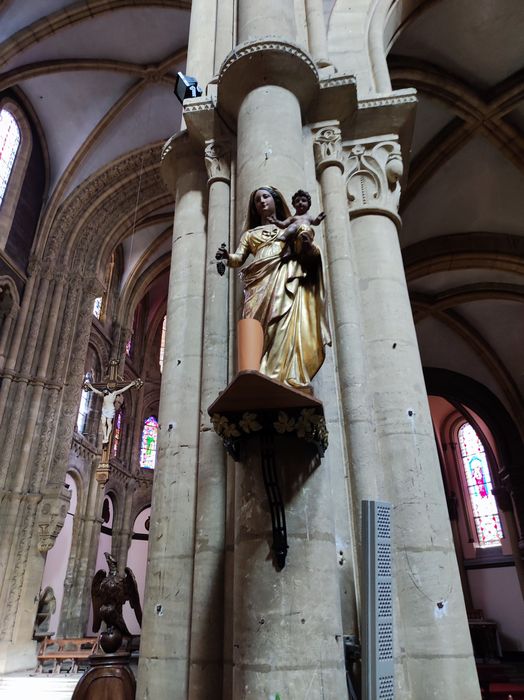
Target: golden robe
[(289, 301)]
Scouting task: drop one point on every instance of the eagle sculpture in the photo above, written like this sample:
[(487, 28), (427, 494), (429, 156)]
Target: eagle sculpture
[(109, 593)]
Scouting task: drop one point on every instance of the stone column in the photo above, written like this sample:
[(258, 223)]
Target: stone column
[(9, 363), (316, 31), (505, 504), (81, 566), (433, 646), (287, 635), (268, 18), (347, 315), (225, 31), (165, 645), (207, 621), (122, 538), (5, 334), (286, 638), (201, 42)]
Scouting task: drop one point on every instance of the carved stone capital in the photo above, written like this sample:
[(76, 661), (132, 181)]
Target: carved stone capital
[(374, 168), (218, 159), (270, 61), (34, 265), (327, 147), (51, 516)]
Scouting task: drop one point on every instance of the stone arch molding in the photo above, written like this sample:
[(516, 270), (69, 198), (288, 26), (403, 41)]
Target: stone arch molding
[(7, 285), (100, 212)]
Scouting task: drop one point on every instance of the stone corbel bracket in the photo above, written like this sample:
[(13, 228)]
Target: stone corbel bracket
[(385, 114), (265, 61), (201, 119), (337, 101), (51, 517)]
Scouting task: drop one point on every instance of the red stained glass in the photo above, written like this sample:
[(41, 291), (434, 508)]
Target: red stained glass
[(162, 346), (480, 488), (117, 434)]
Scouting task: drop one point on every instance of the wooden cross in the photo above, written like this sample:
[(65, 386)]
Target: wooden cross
[(109, 391), (112, 382)]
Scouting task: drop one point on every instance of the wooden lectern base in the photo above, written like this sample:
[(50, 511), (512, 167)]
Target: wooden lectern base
[(108, 678)]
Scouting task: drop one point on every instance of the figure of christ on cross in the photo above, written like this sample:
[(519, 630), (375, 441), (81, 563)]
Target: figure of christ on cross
[(112, 398)]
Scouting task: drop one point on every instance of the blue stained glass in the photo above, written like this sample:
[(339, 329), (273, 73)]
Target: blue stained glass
[(97, 307)]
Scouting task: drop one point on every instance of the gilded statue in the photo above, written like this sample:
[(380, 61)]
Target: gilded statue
[(283, 287)]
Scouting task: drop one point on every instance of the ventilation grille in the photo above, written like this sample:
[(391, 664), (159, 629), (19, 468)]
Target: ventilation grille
[(377, 627), (386, 688)]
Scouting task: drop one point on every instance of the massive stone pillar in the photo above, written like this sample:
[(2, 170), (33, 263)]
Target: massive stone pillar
[(165, 645), (286, 640), (433, 648)]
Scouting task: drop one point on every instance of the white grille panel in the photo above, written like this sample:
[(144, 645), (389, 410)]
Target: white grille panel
[(377, 618)]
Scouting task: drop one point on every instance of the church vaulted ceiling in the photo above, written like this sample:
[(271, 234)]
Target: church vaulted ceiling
[(99, 75)]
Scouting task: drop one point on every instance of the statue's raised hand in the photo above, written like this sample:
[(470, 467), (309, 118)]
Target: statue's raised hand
[(222, 253)]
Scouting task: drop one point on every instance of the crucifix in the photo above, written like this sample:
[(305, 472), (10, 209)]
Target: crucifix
[(111, 391)]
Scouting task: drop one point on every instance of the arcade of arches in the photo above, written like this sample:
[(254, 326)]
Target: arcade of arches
[(415, 137)]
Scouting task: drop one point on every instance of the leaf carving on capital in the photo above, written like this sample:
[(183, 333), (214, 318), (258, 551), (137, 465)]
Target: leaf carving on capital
[(373, 176), (327, 147), (217, 155)]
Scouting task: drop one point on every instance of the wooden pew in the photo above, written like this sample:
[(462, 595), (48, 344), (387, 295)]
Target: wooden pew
[(60, 650)]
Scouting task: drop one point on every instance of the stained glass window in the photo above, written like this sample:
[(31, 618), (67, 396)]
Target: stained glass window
[(97, 307), (129, 346), (480, 488), (117, 433), (148, 443), (9, 143), (162, 345)]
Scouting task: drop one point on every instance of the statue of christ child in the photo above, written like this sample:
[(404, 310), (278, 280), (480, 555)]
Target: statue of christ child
[(298, 234)]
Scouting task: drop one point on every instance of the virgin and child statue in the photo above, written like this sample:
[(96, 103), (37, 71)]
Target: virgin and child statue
[(283, 286)]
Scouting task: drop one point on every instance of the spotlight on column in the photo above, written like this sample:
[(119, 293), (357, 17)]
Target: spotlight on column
[(186, 86)]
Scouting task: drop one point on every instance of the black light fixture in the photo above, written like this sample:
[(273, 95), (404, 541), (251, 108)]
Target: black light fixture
[(186, 86)]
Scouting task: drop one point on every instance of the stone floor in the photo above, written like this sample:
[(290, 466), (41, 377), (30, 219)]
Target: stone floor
[(38, 686)]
